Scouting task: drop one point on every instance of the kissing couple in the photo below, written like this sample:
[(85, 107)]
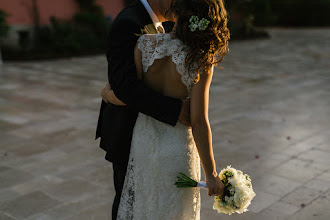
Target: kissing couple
[(153, 120)]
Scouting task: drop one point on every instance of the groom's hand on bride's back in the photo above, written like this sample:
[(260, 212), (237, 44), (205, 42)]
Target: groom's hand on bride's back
[(184, 116)]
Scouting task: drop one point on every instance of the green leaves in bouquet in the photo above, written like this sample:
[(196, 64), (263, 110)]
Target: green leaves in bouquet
[(226, 175)]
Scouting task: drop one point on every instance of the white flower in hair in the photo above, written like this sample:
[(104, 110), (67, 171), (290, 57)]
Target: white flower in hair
[(195, 23), (203, 24)]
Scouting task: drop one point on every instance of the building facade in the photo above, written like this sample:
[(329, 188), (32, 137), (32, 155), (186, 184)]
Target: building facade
[(21, 13)]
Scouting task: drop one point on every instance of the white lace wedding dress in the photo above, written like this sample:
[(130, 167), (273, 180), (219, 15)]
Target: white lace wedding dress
[(159, 152)]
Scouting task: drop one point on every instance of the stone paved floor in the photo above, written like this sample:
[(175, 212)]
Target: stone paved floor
[(270, 115)]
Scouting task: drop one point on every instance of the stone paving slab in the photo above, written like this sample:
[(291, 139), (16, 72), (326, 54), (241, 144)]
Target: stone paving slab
[(269, 112), (318, 209), (28, 204)]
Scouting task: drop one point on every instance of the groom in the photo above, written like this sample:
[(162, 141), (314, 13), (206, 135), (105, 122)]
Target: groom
[(116, 123)]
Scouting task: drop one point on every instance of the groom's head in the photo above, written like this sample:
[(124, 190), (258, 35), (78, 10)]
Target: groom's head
[(160, 7)]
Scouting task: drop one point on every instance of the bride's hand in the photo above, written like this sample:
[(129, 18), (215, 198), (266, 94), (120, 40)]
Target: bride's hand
[(215, 186)]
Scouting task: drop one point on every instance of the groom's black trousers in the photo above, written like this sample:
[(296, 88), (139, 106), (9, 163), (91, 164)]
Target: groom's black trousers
[(119, 172)]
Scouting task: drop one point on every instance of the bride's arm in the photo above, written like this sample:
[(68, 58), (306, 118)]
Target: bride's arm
[(199, 105), (138, 62)]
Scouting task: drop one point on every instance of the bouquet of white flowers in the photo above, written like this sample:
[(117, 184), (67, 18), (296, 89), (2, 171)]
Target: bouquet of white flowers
[(238, 191)]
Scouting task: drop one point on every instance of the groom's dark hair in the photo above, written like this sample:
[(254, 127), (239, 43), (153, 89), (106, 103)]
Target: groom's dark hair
[(208, 46)]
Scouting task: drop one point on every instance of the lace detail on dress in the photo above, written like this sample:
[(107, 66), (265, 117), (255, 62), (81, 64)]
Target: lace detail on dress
[(126, 210), (158, 46), (159, 155)]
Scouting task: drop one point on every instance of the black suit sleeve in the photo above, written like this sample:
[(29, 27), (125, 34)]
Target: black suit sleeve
[(123, 77)]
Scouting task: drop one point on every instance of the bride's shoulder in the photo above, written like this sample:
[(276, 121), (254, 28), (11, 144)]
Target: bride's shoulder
[(154, 36), (153, 40), (163, 43)]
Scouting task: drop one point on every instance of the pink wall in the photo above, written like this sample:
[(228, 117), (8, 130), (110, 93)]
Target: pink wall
[(20, 11), (111, 7)]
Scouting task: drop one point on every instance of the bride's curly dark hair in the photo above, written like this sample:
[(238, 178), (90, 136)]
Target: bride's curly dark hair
[(206, 47)]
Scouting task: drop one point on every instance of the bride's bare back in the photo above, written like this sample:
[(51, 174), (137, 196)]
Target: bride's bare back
[(156, 67), (163, 77)]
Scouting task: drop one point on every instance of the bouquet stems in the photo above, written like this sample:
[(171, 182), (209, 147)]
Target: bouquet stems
[(185, 181)]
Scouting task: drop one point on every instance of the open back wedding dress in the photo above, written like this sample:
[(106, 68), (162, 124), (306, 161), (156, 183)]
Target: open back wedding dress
[(159, 152)]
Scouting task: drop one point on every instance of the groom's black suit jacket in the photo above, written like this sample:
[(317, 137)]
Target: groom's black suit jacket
[(116, 123)]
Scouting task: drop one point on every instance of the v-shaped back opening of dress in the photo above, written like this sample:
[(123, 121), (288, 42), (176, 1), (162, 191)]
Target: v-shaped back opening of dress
[(163, 62)]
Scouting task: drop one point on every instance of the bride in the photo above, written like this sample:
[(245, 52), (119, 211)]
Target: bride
[(177, 64)]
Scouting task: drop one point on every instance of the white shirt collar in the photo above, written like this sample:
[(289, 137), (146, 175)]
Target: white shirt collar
[(152, 14)]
